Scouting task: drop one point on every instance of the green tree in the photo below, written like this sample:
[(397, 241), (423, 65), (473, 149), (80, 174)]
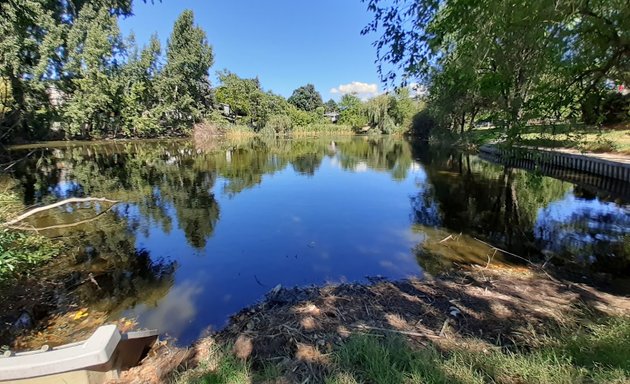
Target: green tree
[(33, 54), (183, 86), (377, 111), (245, 97), (139, 99), (306, 98), (522, 58), (93, 44), (352, 111), (331, 106)]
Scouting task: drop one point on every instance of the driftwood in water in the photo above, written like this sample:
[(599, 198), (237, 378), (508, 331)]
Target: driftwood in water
[(71, 200)]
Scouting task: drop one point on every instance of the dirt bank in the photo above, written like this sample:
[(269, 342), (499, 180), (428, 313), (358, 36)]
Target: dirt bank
[(297, 329)]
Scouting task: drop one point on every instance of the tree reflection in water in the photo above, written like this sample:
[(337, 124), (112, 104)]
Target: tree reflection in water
[(204, 229), (534, 216)]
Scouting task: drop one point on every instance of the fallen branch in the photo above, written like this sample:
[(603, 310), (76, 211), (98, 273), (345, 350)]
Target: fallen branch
[(10, 164), (57, 204), (59, 226), (542, 268), (506, 252), (416, 334)]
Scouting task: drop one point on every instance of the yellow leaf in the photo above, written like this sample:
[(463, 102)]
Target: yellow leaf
[(80, 314)]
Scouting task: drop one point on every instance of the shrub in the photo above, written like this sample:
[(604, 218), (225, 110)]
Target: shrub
[(19, 252), (280, 124)]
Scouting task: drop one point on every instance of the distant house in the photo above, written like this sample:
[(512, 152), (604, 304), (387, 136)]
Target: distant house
[(332, 116)]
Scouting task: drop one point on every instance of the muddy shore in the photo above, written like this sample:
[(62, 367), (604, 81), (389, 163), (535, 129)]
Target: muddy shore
[(297, 328)]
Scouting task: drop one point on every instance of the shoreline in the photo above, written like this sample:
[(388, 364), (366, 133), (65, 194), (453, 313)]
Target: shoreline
[(298, 329)]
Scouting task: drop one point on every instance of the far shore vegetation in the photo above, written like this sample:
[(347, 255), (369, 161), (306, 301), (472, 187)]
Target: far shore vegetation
[(70, 74)]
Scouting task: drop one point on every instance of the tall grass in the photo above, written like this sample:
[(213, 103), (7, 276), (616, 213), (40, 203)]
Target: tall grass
[(598, 353), (322, 129), (594, 353)]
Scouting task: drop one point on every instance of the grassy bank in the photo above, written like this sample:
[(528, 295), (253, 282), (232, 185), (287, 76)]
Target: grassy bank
[(581, 137), (593, 353), (492, 325)]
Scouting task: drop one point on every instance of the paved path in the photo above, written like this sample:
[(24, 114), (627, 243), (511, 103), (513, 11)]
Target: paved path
[(616, 157)]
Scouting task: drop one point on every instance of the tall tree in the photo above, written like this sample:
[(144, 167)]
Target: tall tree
[(352, 111), (139, 100), (520, 54), (94, 45), (184, 85), (306, 98), (33, 52)]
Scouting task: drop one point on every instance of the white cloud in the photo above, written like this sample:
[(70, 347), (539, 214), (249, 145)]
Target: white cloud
[(362, 90)]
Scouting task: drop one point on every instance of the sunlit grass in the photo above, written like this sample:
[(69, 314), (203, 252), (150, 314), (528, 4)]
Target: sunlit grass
[(595, 353), (219, 366), (583, 138)]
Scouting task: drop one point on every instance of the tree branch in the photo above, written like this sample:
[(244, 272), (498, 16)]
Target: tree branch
[(57, 204), (60, 226)]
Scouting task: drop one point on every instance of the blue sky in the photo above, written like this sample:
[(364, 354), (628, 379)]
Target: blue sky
[(286, 43)]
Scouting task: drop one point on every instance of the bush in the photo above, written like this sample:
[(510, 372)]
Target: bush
[(19, 252), (280, 124)]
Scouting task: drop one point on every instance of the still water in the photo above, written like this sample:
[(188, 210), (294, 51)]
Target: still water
[(205, 229)]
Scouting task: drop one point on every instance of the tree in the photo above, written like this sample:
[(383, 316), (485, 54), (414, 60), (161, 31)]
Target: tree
[(139, 98), (244, 96), (331, 106), (33, 53), (6, 98), (184, 87), (520, 56), (306, 98), (93, 43), (352, 111)]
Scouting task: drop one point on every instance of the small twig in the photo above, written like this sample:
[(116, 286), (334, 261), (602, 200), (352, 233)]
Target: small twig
[(408, 333), (12, 163), (490, 258), (506, 252), (93, 280), (443, 330), (446, 238), (522, 258)]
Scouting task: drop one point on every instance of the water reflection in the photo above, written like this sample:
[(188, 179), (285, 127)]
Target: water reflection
[(204, 230), (531, 215), (591, 230)]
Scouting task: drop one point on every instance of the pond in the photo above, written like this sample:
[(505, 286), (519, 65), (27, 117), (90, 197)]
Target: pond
[(205, 229)]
